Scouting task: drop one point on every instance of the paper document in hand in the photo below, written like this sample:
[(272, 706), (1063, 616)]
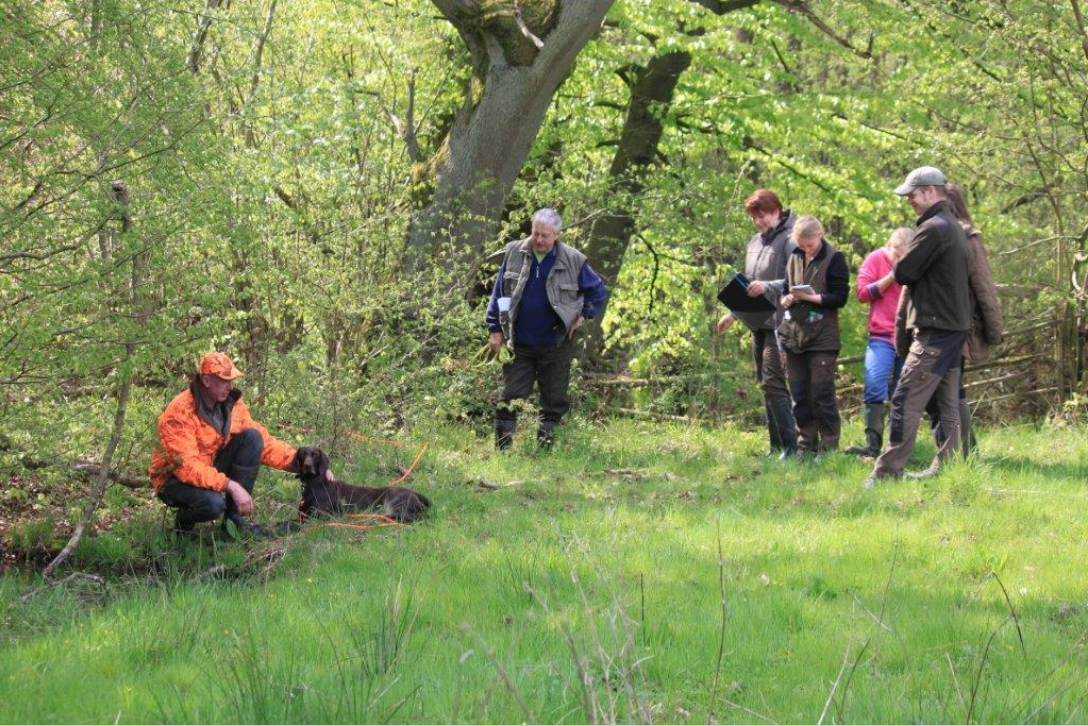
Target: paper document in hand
[(804, 289)]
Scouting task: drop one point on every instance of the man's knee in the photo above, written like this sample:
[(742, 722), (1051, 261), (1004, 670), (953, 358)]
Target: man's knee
[(193, 504), (213, 506), (250, 440)]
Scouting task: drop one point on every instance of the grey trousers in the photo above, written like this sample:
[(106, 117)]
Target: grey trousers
[(933, 365), (770, 372)]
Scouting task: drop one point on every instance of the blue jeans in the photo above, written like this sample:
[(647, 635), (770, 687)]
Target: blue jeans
[(881, 364)]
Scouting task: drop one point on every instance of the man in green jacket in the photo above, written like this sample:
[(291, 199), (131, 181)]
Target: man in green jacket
[(934, 269)]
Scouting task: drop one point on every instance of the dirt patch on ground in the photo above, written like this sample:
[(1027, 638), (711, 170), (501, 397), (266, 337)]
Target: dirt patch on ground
[(37, 516)]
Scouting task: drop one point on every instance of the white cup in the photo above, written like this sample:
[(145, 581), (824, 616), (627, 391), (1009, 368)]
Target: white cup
[(504, 304)]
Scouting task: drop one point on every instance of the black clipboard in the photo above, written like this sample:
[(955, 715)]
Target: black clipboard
[(754, 312)]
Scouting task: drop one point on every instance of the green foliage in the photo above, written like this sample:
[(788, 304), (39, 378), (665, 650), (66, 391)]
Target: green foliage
[(270, 191), (33, 535)]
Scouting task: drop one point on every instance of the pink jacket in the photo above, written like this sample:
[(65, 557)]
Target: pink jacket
[(882, 306)]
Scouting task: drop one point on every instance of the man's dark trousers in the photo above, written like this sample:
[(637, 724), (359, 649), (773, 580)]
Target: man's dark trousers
[(240, 460), (549, 367), (932, 366)]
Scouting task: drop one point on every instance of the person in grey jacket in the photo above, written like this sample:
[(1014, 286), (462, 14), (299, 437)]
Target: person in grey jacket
[(934, 270), (765, 268), (544, 291)]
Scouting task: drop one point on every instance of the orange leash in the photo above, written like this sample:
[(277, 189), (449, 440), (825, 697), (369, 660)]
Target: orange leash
[(381, 519), (408, 472)]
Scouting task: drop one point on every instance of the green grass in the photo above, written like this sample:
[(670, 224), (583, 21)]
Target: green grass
[(588, 586)]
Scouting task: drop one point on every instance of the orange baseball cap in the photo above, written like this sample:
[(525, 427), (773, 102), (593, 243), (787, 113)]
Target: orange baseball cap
[(219, 364)]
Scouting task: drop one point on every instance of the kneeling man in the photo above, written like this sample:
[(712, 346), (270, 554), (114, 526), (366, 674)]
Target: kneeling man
[(210, 451)]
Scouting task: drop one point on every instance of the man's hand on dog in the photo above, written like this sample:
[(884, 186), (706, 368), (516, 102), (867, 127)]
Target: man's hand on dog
[(241, 498)]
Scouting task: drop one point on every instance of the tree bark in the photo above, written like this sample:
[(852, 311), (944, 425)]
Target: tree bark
[(651, 93), (521, 53)]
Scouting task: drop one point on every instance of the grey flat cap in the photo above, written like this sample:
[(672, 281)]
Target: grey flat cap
[(923, 176)]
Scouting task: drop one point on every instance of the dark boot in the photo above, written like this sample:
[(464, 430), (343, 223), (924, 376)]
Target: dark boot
[(966, 430), (184, 530), (244, 475), (504, 434), (244, 527), (247, 477), (544, 438), (782, 413), (874, 432)]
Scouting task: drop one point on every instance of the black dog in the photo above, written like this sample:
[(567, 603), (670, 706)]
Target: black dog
[(321, 496)]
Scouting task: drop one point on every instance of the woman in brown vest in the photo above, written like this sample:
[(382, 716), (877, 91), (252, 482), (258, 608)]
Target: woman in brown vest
[(819, 284)]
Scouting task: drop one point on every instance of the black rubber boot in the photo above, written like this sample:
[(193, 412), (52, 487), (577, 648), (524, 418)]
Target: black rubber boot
[(874, 432), (544, 438), (247, 477), (967, 433), (244, 527), (184, 530), (504, 434), (782, 411), (244, 475)]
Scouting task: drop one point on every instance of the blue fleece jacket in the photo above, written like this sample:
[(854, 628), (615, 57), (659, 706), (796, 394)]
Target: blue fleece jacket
[(537, 323)]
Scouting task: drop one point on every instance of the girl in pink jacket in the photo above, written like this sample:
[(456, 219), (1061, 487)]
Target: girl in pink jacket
[(876, 286)]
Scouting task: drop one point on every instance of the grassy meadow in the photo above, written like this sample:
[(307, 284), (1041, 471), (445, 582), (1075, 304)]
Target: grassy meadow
[(637, 572)]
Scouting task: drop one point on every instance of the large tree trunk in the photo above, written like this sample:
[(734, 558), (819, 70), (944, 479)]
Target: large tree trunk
[(652, 90), (521, 53)]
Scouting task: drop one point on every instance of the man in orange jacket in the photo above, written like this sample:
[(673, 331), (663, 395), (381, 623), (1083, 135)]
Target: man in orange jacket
[(210, 451)]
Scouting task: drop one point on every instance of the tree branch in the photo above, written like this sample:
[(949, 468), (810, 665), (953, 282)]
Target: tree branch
[(259, 54), (196, 49), (801, 8), (1080, 24), (37, 257), (406, 129), (525, 28), (718, 7)]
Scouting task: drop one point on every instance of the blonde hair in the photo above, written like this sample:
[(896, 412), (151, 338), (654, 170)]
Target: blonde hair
[(900, 237), (807, 227)]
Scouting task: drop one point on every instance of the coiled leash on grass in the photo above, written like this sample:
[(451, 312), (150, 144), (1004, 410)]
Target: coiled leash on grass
[(382, 521)]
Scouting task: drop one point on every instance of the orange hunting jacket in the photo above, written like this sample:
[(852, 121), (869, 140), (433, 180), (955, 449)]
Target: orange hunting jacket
[(188, 444)]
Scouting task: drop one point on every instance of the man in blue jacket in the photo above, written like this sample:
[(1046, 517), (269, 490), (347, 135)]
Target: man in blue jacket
[(543, 293)]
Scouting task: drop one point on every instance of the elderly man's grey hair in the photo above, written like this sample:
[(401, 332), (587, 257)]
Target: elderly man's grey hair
[(550, 217)]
